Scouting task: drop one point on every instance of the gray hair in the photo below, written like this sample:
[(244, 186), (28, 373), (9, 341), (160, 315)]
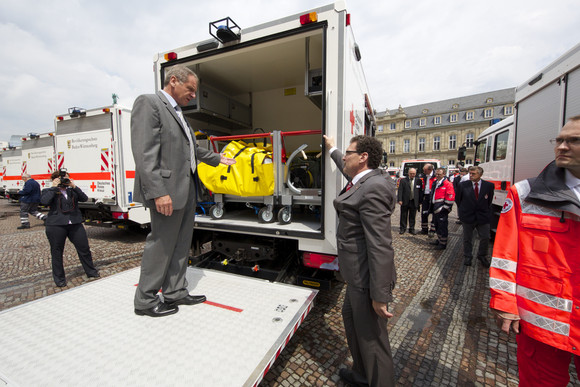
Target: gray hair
[(476, 168), (26, 175), (180, 72)]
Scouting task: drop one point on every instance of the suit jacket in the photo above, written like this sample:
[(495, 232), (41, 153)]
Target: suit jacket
[(473, 211), (161, 152), (63, 211), (404, 191), (365, 251)]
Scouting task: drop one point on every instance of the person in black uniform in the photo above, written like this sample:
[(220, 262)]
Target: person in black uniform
[(64, 220)]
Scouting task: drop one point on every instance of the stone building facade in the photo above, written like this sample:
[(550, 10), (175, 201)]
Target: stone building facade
[(436, 130)]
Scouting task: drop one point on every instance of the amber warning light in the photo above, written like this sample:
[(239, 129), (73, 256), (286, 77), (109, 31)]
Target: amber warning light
[(171, 56), (308, 18)]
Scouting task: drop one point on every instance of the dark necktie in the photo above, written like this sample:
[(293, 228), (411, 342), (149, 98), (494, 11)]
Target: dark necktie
[(476, 189), (348, 186)]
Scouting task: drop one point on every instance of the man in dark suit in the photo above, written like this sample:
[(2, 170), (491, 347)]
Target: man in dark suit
[(474, 198), (428, 177), (165, 156), (366, 260), (409, 197)]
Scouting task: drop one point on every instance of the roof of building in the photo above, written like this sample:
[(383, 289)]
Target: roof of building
[(477, 103)]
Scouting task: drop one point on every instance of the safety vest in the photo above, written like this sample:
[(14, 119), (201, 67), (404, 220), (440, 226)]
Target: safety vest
[(535, 269)]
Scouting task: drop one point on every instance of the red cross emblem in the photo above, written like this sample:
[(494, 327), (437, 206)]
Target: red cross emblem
[(93, 186)]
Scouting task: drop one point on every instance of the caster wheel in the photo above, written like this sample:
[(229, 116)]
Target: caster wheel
[(216, 212)]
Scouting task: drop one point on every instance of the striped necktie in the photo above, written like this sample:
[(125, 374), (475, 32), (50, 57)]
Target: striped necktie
[(189, 138)]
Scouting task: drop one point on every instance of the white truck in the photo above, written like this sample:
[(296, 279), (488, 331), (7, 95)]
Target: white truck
[(38, 157), (12, 172), (295, 79), (94, 146), (518, 147)]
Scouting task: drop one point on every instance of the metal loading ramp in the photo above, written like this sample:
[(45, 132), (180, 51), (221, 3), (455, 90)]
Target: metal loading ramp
[(90, 335)]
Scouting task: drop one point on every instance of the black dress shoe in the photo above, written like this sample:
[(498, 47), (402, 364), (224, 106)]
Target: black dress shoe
[(402, 232), (187, 300), (484, 261), (159, 310), (440, 247), (96, 275), (435, 243), (61, 284), (412, 232), (352, 378), (22, 227), (424, 232)]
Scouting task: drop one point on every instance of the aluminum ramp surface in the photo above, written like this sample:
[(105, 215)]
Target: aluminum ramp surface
[(90, 335)]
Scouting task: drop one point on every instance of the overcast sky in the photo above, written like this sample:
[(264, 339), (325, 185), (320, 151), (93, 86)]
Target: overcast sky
[(62, 53)]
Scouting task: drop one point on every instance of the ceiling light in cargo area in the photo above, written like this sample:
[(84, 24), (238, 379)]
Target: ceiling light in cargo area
[(225, 30), (308, 18)]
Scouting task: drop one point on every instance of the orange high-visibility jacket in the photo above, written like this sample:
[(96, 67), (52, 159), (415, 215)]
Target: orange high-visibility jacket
[(535, 269), (442, 197)]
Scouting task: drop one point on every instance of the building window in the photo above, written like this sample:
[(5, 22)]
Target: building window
[(453, 141), (393, 126), (421, 145), (392, 146), (406, 145), (380, 129), (468, 162), (508, 110), (455, 106), (469, 116), (422, 122), (407, 124), (425, 111), (488, 113), (436, 143), (489, 100), (469, 140), (451, 162), (391, 164), (437, 120), (453, 117)]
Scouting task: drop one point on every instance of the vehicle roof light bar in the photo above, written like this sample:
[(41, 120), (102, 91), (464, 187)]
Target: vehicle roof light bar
[(225, 30)]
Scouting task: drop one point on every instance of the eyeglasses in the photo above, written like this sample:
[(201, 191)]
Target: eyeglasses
[(348, 152), (574, 141)]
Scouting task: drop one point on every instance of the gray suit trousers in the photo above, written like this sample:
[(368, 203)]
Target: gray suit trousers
[(368, 338), (166, 253)]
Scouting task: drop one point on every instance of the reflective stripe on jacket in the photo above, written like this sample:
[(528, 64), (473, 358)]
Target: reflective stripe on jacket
[(535, 269)]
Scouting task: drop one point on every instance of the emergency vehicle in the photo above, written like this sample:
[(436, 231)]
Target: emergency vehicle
[(38, 157), (12, 172), (294, 79), (418, 164), (518, 147), (94, 146), (2, 191)]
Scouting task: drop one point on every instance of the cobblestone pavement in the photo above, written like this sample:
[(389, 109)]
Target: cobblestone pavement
[(442, 332)]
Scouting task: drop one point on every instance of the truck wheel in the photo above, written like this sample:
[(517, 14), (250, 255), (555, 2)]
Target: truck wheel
[(284, 215), (265, 216), (216, 212)]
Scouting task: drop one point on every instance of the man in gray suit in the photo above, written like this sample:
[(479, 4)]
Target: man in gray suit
[(366, 260), (165, 156)]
